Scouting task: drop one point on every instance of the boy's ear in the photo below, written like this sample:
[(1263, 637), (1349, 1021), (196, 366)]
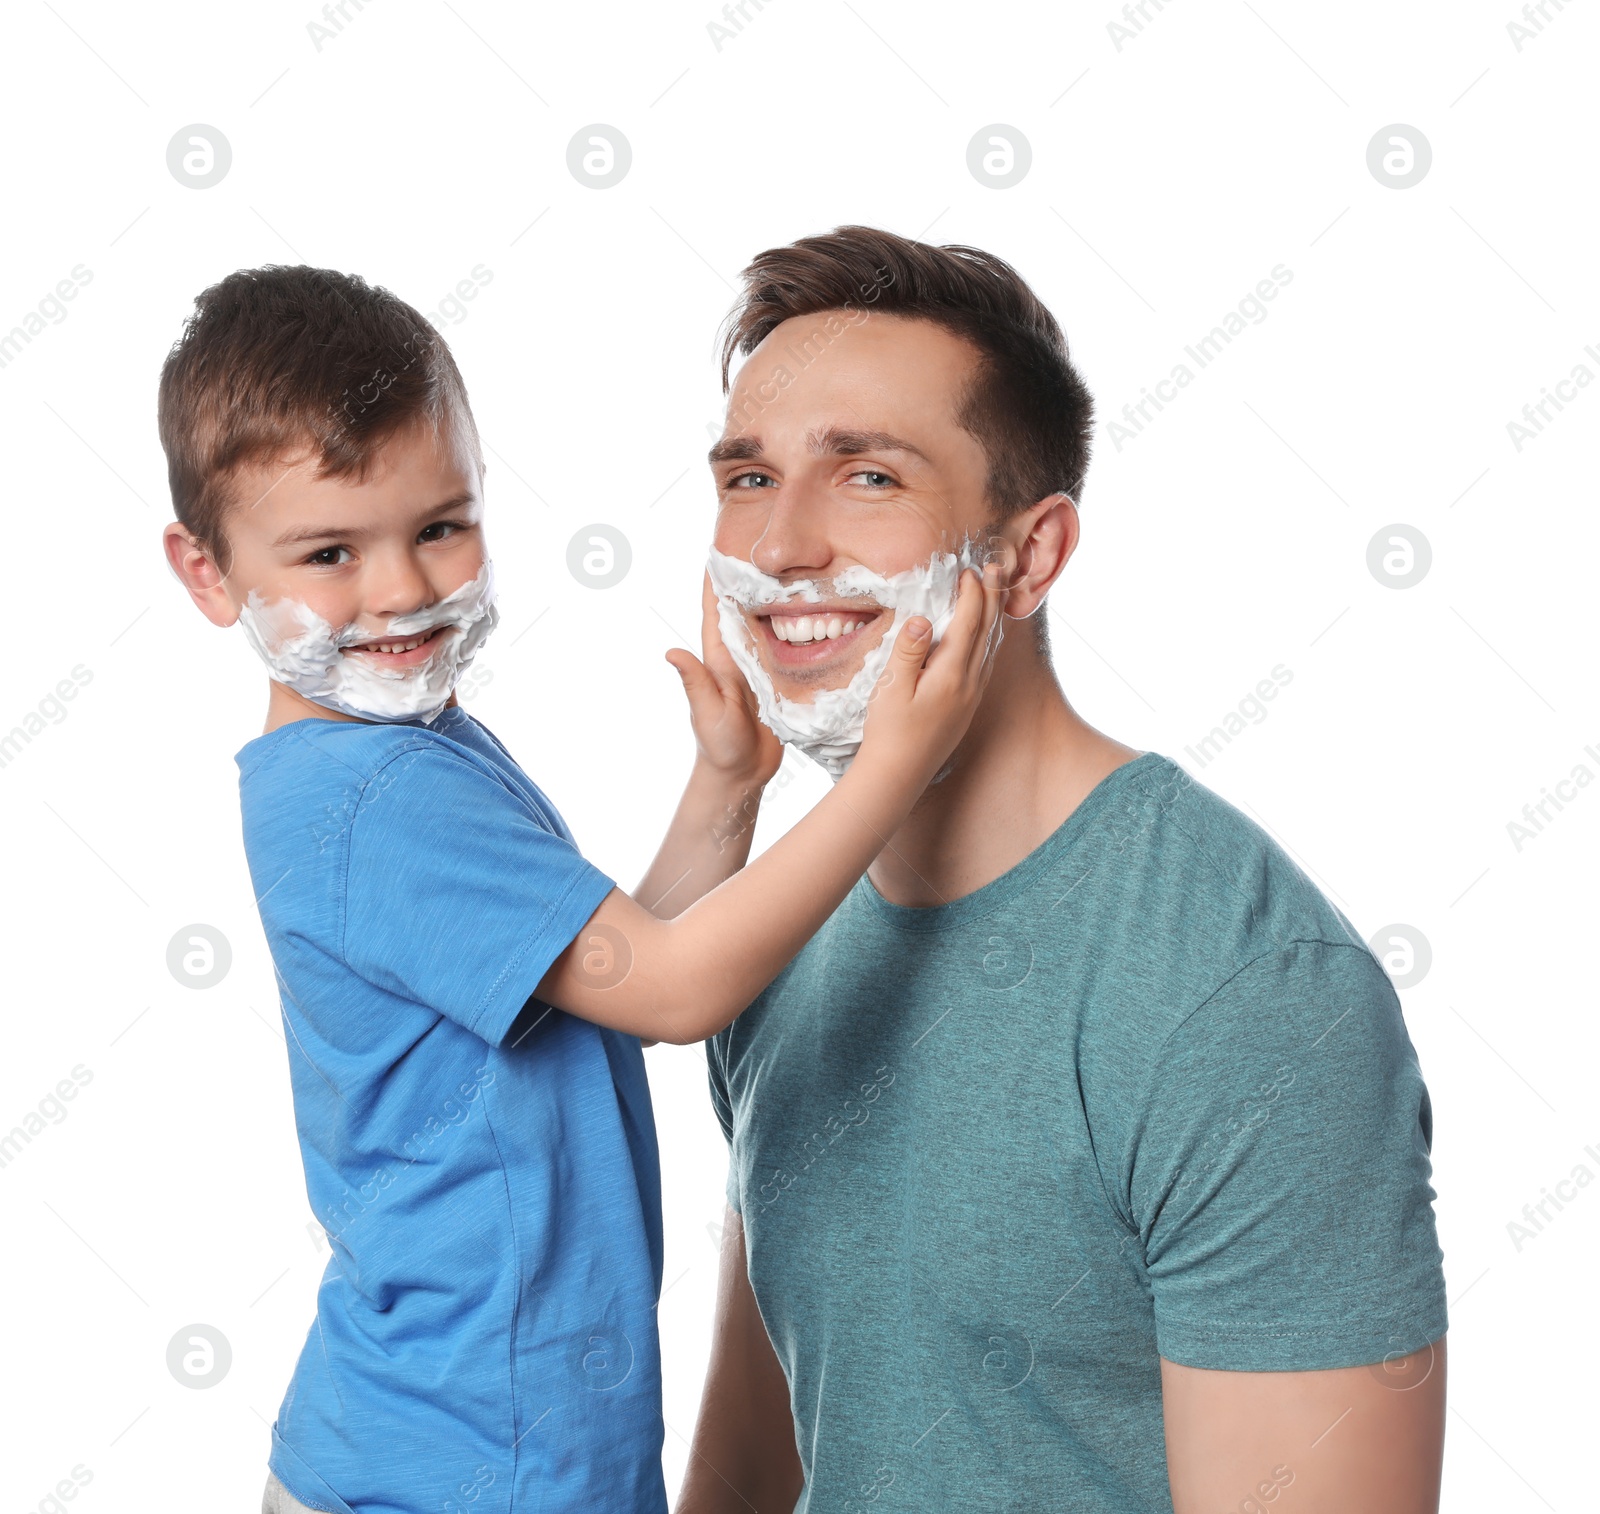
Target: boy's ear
[(194, 568)]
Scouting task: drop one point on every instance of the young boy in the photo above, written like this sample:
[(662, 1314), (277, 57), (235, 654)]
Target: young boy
[(464, 994)]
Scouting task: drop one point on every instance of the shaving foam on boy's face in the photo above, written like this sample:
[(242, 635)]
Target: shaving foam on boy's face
[(405, 673), (809, 626), (367, 594)]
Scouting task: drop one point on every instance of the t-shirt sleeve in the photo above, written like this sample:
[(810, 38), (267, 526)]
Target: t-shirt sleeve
[(456, 895), (1279, 1175), (716, 1076)]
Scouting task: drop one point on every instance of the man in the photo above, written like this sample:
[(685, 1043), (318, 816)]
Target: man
[(1080, 1161)]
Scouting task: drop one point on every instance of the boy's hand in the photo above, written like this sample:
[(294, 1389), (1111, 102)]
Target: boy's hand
[(923, 704), (727, 731)]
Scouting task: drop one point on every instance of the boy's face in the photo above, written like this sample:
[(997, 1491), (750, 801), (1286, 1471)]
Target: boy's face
[(355, 553), (841, 450)]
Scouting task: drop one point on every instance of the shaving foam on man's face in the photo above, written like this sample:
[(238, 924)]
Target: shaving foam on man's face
[(807, 621), (369, 596)]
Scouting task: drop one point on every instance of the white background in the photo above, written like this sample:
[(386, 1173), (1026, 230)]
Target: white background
[(1168, 176)]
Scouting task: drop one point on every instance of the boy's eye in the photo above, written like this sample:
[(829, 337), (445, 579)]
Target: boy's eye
[(328, 557), (753, 479), (438, 530), (873, 479)]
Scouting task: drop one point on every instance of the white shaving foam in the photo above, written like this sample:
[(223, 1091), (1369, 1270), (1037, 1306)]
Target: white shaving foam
[(829, 729), (303, 651)]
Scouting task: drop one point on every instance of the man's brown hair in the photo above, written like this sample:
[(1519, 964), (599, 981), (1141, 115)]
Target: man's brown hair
[(1026, 405), (279, 363)]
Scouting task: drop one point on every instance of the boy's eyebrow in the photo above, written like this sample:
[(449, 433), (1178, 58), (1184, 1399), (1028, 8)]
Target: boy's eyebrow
[(315, 533), (298, 534)]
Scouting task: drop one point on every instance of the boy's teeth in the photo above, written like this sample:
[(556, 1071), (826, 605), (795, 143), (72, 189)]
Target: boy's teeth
[(805, 628), (398, 646)]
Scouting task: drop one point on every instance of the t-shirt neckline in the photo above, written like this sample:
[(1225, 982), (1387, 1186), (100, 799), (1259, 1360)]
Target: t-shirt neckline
[(251, 752), (998, 891)]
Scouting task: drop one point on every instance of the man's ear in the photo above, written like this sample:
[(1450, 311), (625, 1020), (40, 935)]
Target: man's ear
[(1043, 536), (195, 569)]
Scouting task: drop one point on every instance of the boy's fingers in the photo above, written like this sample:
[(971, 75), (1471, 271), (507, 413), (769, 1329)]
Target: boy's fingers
[(986, 599), (696, 679), (710, 629), (954, 651), (712, 648), (911, 645), (993, 598), (899, 677)]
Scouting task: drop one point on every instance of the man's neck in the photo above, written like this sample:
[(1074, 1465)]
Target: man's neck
[(1025, 764)]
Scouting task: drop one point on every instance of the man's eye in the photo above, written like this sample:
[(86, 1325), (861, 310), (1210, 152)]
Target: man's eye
[(328, 557), (754, 479), (874, 479)]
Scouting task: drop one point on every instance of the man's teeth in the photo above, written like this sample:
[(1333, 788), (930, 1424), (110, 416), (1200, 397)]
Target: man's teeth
[(800, 628)]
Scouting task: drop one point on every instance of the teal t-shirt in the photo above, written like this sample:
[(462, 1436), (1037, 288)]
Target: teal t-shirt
[(1147, 1094)]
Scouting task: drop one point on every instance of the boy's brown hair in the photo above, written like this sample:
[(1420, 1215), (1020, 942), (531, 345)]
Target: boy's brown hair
[(279, 363), (1026, 405)]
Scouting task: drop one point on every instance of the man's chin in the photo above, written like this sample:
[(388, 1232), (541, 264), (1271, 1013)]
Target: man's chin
[(804, 685), (803, 681)]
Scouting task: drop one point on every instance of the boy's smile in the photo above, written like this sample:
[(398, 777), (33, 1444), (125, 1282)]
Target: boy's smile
[(399, 654)]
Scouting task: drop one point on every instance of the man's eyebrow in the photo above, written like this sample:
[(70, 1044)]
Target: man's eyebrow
[(844, 442), (735, 449), (839, 440), (298, 534)]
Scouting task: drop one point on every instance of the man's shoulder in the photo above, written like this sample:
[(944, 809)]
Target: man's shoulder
[(1166, 892), (1192, 859)]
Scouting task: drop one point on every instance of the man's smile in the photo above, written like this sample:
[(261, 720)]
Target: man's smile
[(806, 636)]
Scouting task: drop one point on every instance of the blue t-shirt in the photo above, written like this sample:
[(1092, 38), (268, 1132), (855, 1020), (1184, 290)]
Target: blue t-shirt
[(1145, 1095), (485, 1166)]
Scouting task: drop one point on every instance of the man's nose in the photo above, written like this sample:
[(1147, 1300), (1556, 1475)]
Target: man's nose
[(794, 538)]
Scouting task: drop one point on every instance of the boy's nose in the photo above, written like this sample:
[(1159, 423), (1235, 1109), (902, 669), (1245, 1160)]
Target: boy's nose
[(396, 586)]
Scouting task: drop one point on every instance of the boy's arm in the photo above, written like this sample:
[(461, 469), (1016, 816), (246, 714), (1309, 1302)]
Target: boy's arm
[(709, 838), (743, 1456), (707, 842), (683, 979)]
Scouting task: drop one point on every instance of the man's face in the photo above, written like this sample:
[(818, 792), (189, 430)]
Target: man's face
[(842, 447), (359, 553)]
